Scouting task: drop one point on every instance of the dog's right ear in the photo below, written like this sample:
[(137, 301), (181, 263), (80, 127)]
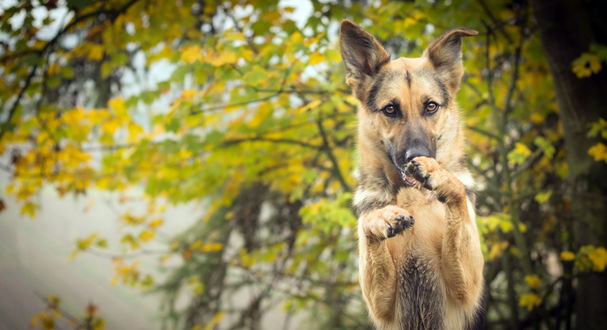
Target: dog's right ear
[(362, 54), (445, 54)]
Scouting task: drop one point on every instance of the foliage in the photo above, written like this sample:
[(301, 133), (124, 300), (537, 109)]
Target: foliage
[(241, 106), (590, 63), (599, 150), (54, 317)]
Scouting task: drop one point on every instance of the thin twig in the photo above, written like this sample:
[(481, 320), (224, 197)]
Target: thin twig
[(496, 23), (329, 151), (272, 140), (140, 253), (237, 104)]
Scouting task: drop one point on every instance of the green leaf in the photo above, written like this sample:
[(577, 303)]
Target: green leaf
[(519, 154)]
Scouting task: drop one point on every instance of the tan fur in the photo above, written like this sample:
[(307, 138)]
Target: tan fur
[(444, 237)]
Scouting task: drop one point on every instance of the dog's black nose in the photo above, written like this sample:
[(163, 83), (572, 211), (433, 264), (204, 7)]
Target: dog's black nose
[(417, 151)]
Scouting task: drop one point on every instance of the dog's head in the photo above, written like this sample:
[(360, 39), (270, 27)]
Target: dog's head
[(407, 104)]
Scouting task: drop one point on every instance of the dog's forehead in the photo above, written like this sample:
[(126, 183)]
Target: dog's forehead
[(404, 78), (408, 64), (405, 71)]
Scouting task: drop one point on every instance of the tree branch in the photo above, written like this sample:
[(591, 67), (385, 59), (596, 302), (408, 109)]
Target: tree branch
[(497, 23), (273, 140), (328, 150), (112, 12), (237, 104)]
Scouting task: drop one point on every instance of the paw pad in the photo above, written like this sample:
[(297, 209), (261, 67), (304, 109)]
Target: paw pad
[(401, 223)]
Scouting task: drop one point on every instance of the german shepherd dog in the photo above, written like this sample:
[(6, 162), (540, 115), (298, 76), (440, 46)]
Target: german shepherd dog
[(421, 265)]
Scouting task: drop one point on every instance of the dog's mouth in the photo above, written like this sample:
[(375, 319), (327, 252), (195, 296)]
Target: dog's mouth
[(407, 179)]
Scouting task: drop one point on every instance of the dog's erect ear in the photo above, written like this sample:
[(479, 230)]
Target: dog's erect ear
[(363, 56), (445, 54)]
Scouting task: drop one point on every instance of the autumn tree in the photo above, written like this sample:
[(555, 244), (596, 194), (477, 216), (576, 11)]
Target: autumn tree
[(241, 107), (573, 32)]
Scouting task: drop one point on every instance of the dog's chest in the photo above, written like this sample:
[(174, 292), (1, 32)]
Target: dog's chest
[(430, 218), (424, 203)]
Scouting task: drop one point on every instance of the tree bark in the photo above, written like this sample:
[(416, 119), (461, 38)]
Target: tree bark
[(567, 29)]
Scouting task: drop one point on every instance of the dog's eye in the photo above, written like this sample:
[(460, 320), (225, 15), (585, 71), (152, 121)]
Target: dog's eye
[(431, 107), (390, 110)]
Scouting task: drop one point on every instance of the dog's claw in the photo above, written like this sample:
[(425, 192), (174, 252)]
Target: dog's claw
[(405, 222), (402, 223), (413, 169), (391, 232)]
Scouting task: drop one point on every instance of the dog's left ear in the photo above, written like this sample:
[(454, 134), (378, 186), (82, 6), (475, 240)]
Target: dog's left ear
[(362, 54), (445, 54)]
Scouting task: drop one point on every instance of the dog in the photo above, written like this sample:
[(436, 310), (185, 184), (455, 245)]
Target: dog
[(420, 262)]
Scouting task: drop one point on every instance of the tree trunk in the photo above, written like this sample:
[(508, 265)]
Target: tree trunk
[(567, 29)]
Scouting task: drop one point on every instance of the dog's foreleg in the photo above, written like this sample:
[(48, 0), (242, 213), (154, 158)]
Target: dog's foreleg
[(462, 260), (377, 266)]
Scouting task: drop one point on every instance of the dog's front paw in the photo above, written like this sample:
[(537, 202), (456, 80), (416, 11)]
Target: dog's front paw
[(427, 172), (386, 222)]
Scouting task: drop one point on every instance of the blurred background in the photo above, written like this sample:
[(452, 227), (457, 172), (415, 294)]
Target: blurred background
[(190, 164)]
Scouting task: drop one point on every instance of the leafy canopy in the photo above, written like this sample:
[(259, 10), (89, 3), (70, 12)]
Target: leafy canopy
[(240, 106)]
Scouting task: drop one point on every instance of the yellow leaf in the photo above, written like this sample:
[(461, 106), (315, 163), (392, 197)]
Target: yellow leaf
[(212, 247), (519, 154), (84, 244), (214, 321), (221, 58), (543, 197), (533, 281), (125, 273), (147, 235), (191, 54), (156, 223), (197, 286), (594, 63), (53, 68), (598, 256), (529, 301), (119, 108), (598, 152), (165, 52), (132, 220), (497, 250), (95, 52), (316, 58), (522, 227), (586, 65), (567, 255), (110, 126), (309, 106), (29, 209), (333, 55), (188, 94), (234, 36), (296, 38), (197, 244), (10, 188), (536, 118)]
